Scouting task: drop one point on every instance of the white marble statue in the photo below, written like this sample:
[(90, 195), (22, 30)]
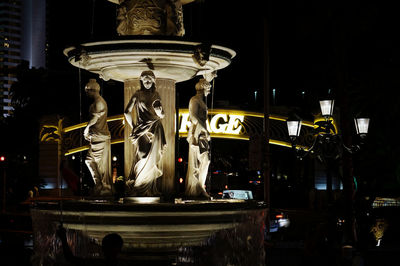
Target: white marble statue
[(150, 17), (98, 158), (198, 138), (143, 114)]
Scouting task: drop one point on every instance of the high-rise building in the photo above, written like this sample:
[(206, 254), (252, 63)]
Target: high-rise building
[(22, 37)]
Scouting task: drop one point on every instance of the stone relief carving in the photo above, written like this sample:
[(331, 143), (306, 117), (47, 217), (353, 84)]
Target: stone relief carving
[(150, 17), (98, 158), (198, 139), (143, 114), (201, 54)]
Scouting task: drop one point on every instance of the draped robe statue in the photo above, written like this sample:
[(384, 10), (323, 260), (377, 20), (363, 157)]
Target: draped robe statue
[(143, 114), (98, 158), (198, 138)]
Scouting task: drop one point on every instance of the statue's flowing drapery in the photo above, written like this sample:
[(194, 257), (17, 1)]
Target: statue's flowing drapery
[(100, 154), (98, 158), (199, 149), (149, 141)]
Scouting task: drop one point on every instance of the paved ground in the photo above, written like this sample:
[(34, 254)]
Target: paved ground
[(302, 243), (305, 242)]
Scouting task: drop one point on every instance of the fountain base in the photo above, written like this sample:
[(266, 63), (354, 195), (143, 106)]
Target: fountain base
[(174, 231)]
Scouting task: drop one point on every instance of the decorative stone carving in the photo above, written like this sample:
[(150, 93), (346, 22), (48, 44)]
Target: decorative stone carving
[(201, 54), (150, 17), (98, 158), (144, 113), (198, 138)]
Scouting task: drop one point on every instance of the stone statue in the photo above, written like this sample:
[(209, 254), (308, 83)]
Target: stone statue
[(198, 138), (150, 17), (143, 114), (98, 158)]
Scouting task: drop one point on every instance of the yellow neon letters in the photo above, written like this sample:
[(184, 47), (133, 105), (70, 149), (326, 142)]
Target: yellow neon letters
[(219, 123)]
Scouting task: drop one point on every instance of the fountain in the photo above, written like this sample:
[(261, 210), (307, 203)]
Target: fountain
[(164, 230)]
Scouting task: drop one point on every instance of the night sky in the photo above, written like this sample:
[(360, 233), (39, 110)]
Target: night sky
[(309, 42)]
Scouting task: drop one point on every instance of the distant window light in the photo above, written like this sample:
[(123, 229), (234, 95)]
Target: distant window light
[(274, 96), (49, 186), (320, 186)]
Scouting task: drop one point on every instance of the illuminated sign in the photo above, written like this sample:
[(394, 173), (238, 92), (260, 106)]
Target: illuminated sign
[(220, 123)]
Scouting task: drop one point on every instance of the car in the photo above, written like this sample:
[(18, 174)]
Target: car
[(237, 194), (278, 219)]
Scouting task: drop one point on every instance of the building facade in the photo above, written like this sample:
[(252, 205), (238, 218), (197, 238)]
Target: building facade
[(22, 38)]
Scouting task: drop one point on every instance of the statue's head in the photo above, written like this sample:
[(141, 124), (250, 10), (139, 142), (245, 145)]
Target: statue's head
[(203, 86), (92, 87), (148, 78)]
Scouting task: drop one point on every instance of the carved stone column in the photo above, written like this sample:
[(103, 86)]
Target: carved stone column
[(166, 89), (130, 87)]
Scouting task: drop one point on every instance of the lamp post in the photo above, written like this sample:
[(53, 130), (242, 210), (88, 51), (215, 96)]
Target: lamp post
[(328, 144), (326, 132)]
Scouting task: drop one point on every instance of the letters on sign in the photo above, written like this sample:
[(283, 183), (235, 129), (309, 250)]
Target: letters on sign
[(219, 123)]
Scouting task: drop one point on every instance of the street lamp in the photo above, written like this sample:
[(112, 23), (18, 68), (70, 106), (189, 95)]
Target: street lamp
[(294, 128), (327, 145), (362, 125), (327, 108), (326, 132)]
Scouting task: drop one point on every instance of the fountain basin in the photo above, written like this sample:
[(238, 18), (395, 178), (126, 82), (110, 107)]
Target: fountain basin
[(122, 60), (156, 227)]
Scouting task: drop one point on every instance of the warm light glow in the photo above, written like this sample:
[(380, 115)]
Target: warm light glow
[(216, 126), (114, 158), (2, 158), (82, 125), (220, 123), (181, 180), (49, 132), (144, 200), (180, 159), (332, 121), (362, 125), (227, 122), (185, 123)]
